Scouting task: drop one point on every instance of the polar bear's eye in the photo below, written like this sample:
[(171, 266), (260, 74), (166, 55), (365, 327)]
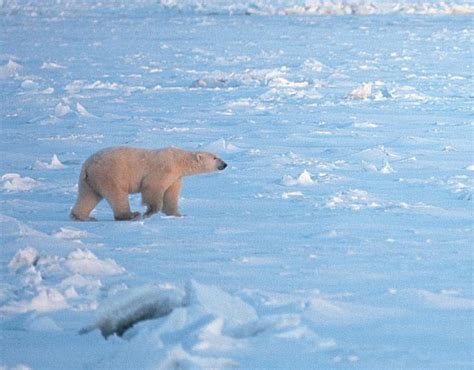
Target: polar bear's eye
[(215, 158)]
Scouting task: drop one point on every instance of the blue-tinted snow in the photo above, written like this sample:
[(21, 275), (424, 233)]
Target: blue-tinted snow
[(340, 236)]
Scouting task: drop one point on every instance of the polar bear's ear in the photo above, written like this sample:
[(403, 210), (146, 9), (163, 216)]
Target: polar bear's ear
[(199, 157)]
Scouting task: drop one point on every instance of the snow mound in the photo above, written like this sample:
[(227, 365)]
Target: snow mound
[(47, 282), (51, 65), (353, 199), (178, 358), (12, 227), (442, 300), (62, 109), (387, 169), (365, 125), (292, 194), (83, 111), (215, 301), (29, 85), (378, 154), (83, 261), (222, 146), (249, 77), (24, 258), (314, 65), (461, 185), (322, 309), (280, 82), (70, 233), (10, 69), (119, 313), (42, 324), (102, 86), (303, 179), (48, 299), (77, 86), (369, 90), (363, 91), (13, 182), (80, 281), (55, 164), (408, 93), (213, 83)]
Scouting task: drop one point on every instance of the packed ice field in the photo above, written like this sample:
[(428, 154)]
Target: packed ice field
[(340, 236)]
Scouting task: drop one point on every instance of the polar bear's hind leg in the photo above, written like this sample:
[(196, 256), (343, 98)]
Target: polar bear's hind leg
[(87, 200)]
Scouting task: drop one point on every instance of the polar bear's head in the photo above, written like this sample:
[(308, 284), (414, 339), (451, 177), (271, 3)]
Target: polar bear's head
[(209, 162)]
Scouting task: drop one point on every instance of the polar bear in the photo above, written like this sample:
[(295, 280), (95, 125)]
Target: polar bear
[(114, 173)]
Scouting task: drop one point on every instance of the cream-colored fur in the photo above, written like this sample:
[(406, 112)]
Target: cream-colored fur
[(116, 172)]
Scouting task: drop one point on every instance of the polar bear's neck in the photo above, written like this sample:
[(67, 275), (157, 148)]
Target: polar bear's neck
[(189, 164)]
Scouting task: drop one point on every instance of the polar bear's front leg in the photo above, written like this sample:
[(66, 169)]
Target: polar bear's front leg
[(152, 198), (121, 207), (152, 208), (170, 199)]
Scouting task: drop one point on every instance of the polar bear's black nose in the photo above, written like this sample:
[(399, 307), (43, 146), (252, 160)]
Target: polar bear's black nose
[(222, 166)]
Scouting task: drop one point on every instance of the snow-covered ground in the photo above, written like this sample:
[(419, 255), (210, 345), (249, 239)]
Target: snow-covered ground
[(339, 237)]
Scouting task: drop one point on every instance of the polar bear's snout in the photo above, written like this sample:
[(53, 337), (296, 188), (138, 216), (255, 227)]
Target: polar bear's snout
[(222, 165)]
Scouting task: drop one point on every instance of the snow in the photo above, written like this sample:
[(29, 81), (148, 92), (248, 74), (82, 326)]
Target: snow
[(340, 234), (13, 182)]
